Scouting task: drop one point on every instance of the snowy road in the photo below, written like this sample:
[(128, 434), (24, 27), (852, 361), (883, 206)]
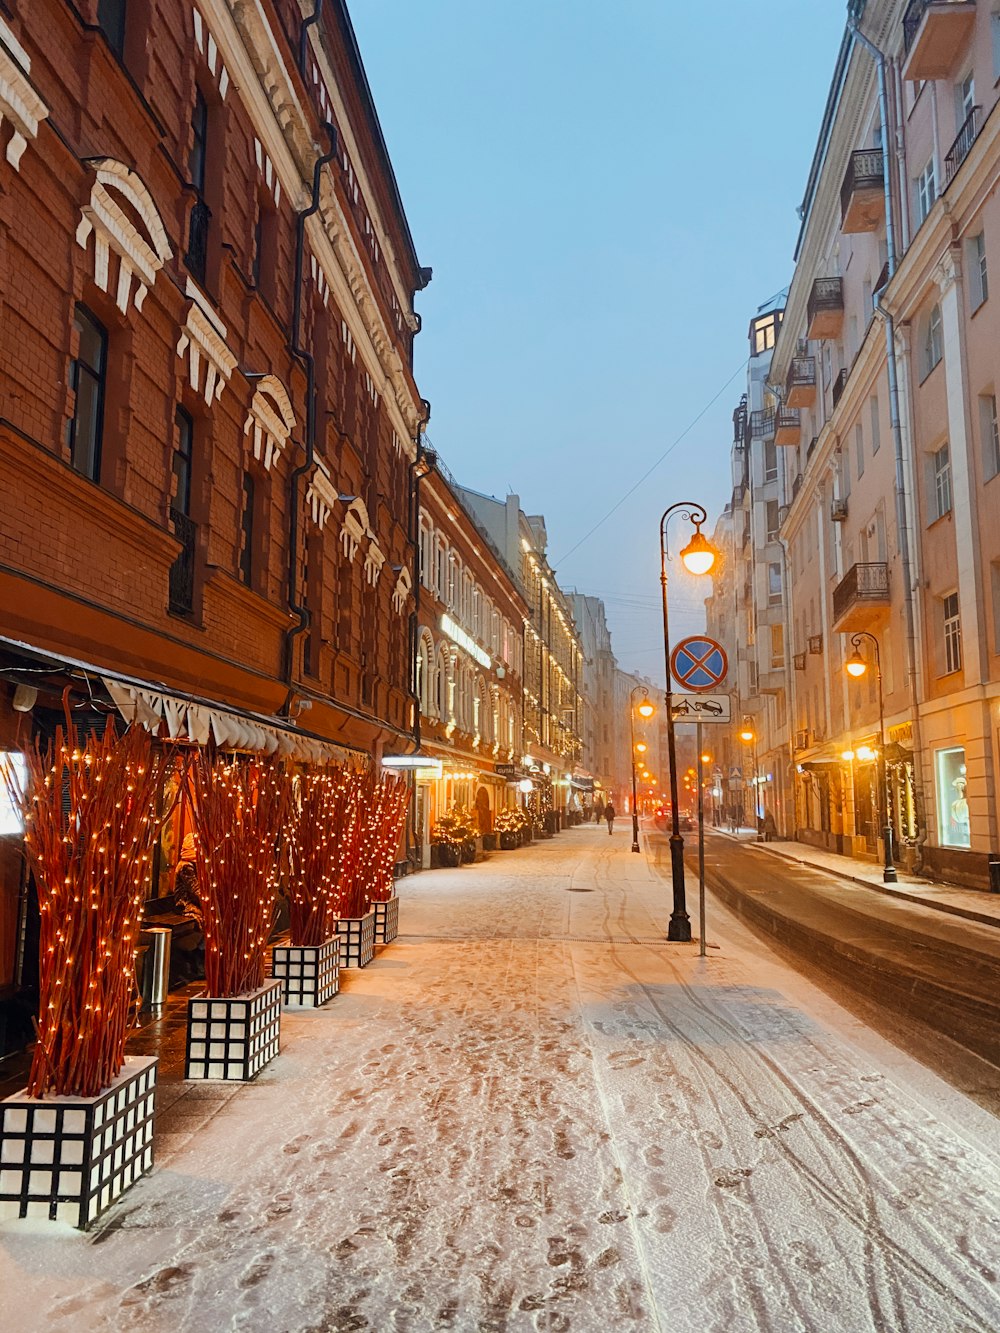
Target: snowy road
[(529, 1114)]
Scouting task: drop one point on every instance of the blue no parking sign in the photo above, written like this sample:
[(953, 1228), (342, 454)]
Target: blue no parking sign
[(699, 663)]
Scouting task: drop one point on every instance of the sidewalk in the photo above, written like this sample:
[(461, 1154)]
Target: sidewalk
[(973, 904)]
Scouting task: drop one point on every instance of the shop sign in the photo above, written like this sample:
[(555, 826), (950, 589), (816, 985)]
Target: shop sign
[(508, 770), (902, 735), (458, 635)]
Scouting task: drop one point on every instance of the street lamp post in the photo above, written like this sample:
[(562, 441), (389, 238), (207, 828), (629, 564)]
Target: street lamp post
[(646, 710), (749, 737), (857, 666), (698, 556)]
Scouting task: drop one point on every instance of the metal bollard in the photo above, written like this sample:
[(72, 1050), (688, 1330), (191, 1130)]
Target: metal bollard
[(993, 865), (157, 971)]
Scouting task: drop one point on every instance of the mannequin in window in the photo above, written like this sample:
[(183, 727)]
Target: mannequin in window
[(960, 807)]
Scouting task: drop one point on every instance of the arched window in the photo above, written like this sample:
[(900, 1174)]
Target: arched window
[(424, 684)]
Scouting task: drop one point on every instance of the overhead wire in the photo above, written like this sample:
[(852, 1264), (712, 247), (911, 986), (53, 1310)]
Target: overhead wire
[(652, 468)]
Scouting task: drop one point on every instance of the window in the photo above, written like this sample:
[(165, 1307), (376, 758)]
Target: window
[(772, 520), (951, 785), (873, 409), (264, 261), (199, 145), (774, 582), (859, 449), (995, 34), (965, 99), (933, 347), (182, 462), (952, 627), (926, 191), (941, 473), (989, 434), (111, 21), (777, 645), (979, 285), (764, 333), (246, 531), (995, 597), (88, 375), (844, 469), (770, 460)]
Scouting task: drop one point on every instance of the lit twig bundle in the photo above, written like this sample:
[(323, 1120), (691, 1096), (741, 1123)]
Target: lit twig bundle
[(370, 839), (321, 809), (90, 828), (238, 811)]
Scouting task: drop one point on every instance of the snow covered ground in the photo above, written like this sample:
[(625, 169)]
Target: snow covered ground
[(531, 1114)]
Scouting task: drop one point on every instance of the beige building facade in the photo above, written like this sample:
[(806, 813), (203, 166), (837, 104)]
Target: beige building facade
[(883, 402)]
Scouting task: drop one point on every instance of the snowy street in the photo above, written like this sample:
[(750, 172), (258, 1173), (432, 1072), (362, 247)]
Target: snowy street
[(530, 1113)]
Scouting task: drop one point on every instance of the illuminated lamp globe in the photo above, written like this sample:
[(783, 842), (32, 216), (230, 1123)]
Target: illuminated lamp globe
[(847, 756), (746, 734), (699, 554), (641, 747), (645, 709), (856, 664)]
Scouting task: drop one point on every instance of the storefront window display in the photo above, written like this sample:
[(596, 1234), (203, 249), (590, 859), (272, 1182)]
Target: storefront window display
[(952, 802)]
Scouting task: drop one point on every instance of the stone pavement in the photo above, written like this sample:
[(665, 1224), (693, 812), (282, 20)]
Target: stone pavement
[(530, 1113)]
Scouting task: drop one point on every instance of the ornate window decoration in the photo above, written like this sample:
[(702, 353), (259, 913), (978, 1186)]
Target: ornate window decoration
[(205, 43), (403, 588), (374, 560), (18, 100), (270, 418), (141, 250), (321, 495), (203, 338), (355, 526)]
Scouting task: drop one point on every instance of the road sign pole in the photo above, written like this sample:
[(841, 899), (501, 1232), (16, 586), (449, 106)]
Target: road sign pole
[(701, 850)]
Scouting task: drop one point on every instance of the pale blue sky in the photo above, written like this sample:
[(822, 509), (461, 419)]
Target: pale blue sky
[(606, 193)]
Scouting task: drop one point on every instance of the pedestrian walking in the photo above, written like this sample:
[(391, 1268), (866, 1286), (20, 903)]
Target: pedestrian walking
[(598, 810), (609, 815)]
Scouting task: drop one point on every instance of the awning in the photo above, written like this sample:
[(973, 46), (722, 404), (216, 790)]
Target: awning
[(192, 718), (581, 783)]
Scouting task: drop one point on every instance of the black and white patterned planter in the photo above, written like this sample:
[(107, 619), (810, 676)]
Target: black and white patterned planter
[(386, 920), (233, 1038), (357, 940), (69, 1158), (309, 974)]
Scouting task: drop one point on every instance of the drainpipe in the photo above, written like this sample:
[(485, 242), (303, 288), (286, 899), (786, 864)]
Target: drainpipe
[(307, 23), (305, 359), (422, 463), (902, 505)]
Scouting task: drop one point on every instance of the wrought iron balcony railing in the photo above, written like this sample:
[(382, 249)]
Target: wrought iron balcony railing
[(840, 384), (197, 249), (762, 424), (825, 308), (181, 599), (964, 140), (861, 583), (862, 179)]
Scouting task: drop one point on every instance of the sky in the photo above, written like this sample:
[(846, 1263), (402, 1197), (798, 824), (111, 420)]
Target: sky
[(606, 193)]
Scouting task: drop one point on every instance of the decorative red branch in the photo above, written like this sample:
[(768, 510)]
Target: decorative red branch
[(239, 810), (321, 809), (90, 828), (370, 841)]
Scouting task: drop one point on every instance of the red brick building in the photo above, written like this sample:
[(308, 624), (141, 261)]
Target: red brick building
[(208, 415)]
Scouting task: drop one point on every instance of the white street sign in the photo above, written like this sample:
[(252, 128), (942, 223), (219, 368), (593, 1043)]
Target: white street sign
[(701, 708)]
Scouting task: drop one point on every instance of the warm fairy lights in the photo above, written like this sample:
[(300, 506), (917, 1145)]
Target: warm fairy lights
[(239, 810), (368, 854), (90, 826), (321, 809)]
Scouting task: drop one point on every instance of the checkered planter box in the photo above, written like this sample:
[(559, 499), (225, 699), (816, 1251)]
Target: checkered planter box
[(309, 974), (69, 1158), (386, 920), (233, 1038), (357, 940)]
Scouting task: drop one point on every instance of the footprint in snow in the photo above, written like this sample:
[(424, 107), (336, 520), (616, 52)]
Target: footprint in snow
[(729, 1180), (296, 1145), (858, 1107)]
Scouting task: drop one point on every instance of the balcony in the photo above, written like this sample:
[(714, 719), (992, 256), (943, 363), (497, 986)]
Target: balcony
[(935, 34), (181, 579), (862, 195), (787, 426), (840, 384), (825, 311), (762, 425), (800, 384), (861, 599), (964, 140)]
